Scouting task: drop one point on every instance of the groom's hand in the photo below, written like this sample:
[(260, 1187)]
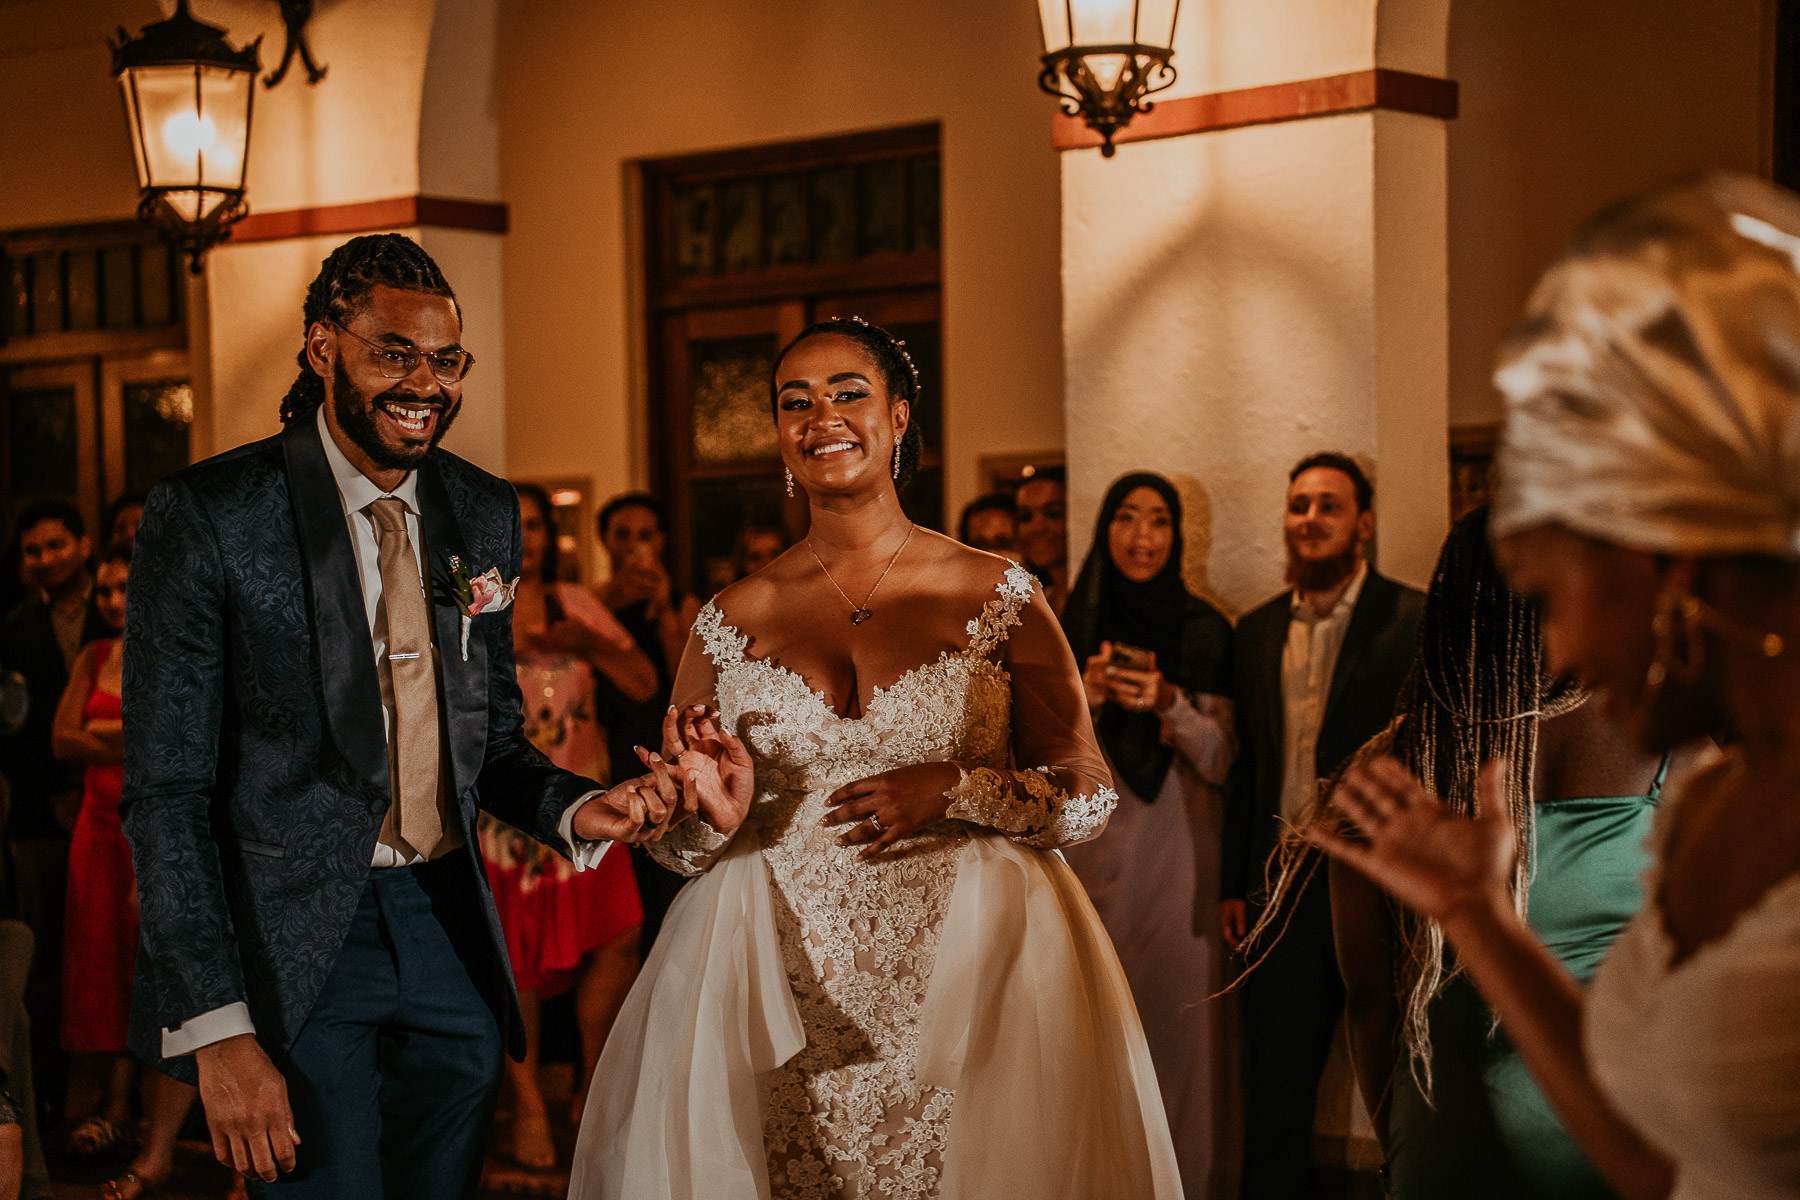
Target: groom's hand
[(246, 1107)]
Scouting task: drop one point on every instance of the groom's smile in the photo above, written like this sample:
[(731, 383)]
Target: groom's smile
[(395, 380)]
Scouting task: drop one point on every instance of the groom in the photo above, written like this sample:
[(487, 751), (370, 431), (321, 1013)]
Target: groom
[(311, 719)]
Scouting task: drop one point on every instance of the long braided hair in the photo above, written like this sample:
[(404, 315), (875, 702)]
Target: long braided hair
[(1478, 688), (898, 374), (341, 289)]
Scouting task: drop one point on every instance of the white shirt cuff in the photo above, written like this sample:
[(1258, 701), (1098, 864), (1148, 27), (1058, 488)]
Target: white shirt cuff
[(207, 1028), (587, 855)]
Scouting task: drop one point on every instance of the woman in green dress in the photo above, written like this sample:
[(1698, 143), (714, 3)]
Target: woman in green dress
[(1458, 1112)]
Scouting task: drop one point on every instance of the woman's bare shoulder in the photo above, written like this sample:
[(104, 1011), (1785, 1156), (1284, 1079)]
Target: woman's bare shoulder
[(963, 566), (755, 598)]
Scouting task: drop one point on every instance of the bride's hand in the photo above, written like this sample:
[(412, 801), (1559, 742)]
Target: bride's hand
[(902, 802), (713, 766), (1432, 860)]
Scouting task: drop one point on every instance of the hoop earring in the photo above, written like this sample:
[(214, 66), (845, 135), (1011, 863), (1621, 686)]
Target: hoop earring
[(790, 480), (896, 462), (1680, 640)]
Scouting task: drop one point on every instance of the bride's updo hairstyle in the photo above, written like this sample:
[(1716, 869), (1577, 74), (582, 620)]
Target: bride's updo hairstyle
[(898, 375)]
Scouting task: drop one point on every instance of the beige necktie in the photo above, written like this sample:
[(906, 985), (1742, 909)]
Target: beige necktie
[(415, 752)]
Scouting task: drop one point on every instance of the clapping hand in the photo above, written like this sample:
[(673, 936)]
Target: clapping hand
[(1432, 860), (714, 767)]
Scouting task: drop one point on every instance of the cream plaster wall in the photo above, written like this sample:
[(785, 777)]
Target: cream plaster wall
[(587, 89), (380, 125), (1566, 107), (1275, 290)]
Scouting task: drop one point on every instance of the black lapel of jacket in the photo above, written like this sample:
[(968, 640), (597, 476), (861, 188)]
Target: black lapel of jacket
[(1374, 609), (340, 618), (462, 686)]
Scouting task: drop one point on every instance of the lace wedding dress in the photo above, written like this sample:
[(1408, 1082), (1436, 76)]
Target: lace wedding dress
[(950, 1022)]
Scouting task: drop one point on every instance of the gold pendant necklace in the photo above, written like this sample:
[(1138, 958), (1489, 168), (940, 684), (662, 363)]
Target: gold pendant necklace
[(861, 612)]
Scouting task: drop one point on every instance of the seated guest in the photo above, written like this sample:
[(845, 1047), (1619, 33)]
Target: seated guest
[(101, 923), (757, 546), (1158, 679), (564, 928), (39, 639), (1041, 508), (988, 523), (23, 1175), (641, 594)]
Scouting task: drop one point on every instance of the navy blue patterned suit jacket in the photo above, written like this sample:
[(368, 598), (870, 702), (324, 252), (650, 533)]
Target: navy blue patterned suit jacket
[(256, 760)]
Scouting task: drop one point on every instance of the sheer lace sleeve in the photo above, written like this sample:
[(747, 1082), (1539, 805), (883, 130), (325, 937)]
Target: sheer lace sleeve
[(1060, 791), (690, 847)]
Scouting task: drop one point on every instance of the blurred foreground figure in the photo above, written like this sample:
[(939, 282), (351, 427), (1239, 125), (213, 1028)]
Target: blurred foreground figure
[(1647, 502)]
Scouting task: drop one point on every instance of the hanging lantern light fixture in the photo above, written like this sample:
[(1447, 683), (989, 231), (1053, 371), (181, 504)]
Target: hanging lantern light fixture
[(188, 97), (1102, 58)]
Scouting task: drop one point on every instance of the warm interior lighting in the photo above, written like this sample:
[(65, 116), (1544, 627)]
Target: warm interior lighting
[(1102, 58), (565, 497), (188, 97)]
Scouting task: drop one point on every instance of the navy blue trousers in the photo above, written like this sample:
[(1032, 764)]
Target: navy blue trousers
[(394, 1077)]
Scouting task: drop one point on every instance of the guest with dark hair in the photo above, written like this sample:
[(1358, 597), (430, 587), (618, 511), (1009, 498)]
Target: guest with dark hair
[(757, 546), (988, 523), (1317, 669), (1158, 681), (39, 639), (642, 596), (564, 928), (1041, 507), (122, 517)]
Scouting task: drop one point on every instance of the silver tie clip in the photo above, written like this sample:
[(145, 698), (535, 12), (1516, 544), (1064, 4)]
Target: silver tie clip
[(397, 657)]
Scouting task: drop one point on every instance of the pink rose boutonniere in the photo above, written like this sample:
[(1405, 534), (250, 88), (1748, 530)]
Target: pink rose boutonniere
[(484, 593)]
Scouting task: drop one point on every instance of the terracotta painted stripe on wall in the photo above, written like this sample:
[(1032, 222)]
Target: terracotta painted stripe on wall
[(1400, 91), (401, 212)]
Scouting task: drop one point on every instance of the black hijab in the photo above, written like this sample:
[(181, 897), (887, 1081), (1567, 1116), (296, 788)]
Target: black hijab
[(1191, 638)]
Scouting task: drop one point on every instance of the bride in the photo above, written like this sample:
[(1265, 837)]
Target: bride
[(883, 981)]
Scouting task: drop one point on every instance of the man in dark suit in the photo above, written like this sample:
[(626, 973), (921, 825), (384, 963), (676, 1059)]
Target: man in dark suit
[(312, 716), (39, 639), (1318, 672)]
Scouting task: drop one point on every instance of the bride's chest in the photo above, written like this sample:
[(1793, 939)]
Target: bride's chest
[(956, 707)]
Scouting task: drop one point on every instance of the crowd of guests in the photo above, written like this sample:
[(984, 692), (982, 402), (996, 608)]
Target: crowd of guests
[(1363, 804)]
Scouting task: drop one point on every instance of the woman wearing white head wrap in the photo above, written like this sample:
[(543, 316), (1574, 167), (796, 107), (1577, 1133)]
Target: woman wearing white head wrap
[(1649, 497)]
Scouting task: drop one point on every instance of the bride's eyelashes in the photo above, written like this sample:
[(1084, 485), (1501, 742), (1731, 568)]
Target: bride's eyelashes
[(799, 402)]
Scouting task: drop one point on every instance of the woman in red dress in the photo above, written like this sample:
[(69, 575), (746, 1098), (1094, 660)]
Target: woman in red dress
[(563, 928), (100, 931)]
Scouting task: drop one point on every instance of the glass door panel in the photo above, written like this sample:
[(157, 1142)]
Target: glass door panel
[(47, 414)]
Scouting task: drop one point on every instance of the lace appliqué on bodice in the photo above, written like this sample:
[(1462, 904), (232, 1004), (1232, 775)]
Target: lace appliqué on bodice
[(845, 1117)]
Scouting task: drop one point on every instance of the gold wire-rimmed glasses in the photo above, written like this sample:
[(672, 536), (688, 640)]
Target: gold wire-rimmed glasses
[(398, 362)]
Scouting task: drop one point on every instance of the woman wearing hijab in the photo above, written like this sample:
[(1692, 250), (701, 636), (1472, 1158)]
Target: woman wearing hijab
[(1158, 670), (1649, 500)]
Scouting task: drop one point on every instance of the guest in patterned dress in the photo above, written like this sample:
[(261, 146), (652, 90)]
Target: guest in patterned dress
[(563, 928)]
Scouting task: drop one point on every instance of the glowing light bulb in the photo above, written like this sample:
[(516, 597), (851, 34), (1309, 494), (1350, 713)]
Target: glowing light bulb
[(189, 134)]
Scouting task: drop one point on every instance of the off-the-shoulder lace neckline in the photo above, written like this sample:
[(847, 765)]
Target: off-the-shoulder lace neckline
[(1014, 590)]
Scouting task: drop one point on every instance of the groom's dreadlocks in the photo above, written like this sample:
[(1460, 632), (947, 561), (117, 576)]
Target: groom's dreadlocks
[(340, 290)]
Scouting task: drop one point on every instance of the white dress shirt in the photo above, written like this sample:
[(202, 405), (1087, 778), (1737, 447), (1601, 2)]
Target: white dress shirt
[(356, 492), (1307, 664)]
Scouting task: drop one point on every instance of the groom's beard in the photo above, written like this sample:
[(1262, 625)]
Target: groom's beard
[(355, 414), (1321, 574)]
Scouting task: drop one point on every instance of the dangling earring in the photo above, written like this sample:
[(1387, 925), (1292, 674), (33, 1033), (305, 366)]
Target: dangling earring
[(896, 461), (1680, 641), (790, 480)]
